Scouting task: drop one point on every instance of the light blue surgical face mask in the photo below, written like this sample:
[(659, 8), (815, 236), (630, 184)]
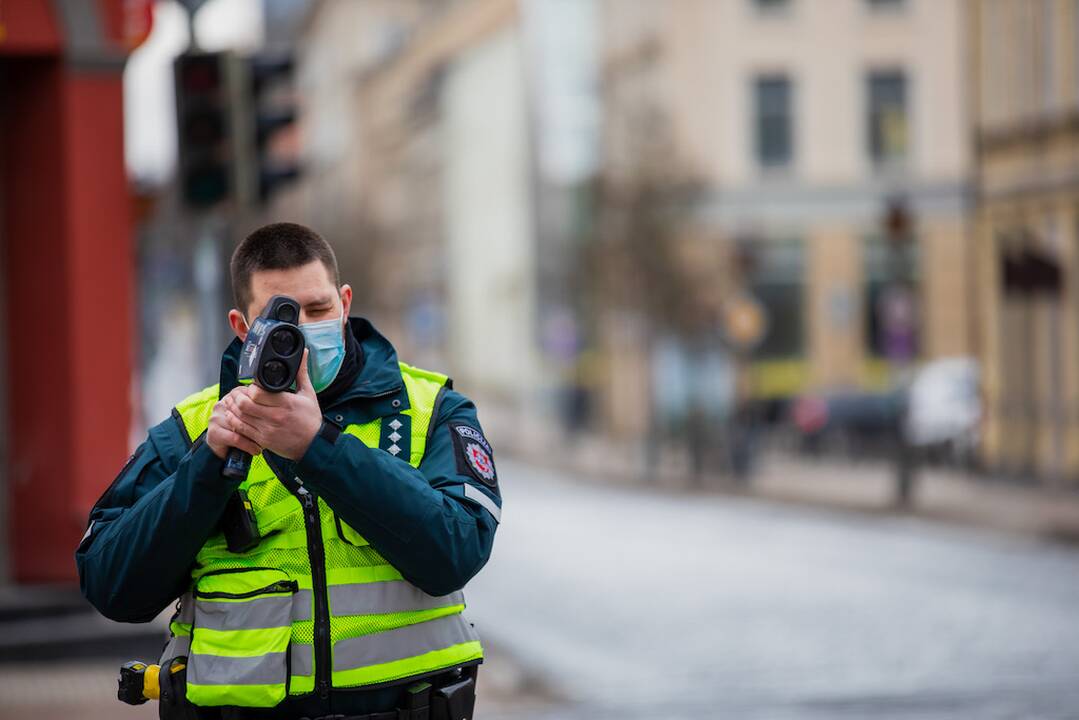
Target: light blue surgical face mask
[(326, 350)]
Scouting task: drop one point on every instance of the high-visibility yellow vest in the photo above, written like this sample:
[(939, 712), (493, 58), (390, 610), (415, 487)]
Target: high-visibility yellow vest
[(261, 625)]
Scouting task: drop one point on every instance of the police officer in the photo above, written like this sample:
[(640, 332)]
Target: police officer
[(374, 494)]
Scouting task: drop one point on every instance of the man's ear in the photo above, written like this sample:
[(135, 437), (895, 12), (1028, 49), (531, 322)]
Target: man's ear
[(346, 298), (238, 324)]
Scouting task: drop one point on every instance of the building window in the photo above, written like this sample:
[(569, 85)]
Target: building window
[(773, 103), (775, 280), (887, 117)]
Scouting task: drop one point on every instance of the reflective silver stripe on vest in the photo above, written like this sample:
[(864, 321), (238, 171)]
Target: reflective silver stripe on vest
[(268, 669), (178, 645), (401, 643), (480, 498), (254, 614), (390, 596), (301, 605), (302, 658)]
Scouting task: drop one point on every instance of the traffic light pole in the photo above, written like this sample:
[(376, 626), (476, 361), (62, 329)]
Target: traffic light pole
[(897, 225), (242, 129), (225, 166)]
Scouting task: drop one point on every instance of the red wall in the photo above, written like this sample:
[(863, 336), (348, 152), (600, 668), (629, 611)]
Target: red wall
[(28, 27), (69, 277)]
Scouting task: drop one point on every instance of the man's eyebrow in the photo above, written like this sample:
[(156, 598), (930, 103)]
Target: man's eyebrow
[(324, 300)]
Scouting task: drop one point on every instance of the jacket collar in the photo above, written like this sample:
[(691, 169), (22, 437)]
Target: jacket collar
[(373, 393)]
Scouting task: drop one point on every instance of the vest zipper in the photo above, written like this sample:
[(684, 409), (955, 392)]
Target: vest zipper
[(316, 555), (278, 588), (318, 575)]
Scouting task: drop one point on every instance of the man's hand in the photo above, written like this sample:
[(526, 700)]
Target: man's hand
[(283, 422), (224, 431)]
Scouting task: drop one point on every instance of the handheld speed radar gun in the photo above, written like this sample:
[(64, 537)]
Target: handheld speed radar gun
[(271, 358)]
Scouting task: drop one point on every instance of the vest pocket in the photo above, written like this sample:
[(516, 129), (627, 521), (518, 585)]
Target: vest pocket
[(240, 637)]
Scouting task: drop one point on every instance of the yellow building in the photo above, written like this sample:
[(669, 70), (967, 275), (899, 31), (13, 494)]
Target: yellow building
[(1026, 72), (808, 121)]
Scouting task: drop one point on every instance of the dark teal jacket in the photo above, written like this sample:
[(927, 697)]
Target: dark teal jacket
[(146, 529)]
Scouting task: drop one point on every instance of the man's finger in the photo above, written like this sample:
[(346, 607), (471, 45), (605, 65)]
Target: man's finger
[(247, 407), (267, 398), (239, 391), (228, 404), (237, 425), (242, 443), (239, 404), (303, 380), (224, 436)]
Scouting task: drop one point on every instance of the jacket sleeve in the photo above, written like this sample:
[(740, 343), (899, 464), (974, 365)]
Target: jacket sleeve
[(148, 526), (435, 523)]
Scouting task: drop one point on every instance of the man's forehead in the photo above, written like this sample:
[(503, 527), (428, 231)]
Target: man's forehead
[(307, 284)]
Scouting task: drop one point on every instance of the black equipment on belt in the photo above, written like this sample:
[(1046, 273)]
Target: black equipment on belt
[(447, 696), (454, 700)]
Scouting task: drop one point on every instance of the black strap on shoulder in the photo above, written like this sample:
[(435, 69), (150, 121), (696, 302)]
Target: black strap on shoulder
[(183, 428), (434, 411)]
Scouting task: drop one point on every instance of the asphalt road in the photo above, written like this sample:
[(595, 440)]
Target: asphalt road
[(631, 603)]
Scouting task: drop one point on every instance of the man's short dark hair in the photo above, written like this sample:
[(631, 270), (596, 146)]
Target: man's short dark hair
[(279, 246)]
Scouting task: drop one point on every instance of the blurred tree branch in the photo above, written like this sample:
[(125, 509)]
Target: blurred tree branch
[(641, 254)]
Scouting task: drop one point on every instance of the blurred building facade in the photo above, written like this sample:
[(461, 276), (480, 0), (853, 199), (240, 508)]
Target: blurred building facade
[(1025, 67), (809, 124), (424, 150), (834, 189), (339, 44), (421, 169)]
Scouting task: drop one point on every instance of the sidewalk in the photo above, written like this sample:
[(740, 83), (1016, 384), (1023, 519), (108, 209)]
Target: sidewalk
[(943, 494), (866, 486)]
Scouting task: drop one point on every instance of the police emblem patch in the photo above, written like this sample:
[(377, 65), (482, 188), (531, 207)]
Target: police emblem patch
[(474, 454), (480, 461)]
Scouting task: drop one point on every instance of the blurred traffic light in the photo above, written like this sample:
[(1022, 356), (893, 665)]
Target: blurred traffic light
[(273, 111), (229, 111), (203, 128)]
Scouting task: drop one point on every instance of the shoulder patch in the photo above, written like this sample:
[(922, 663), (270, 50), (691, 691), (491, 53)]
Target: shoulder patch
[(474, 454)]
